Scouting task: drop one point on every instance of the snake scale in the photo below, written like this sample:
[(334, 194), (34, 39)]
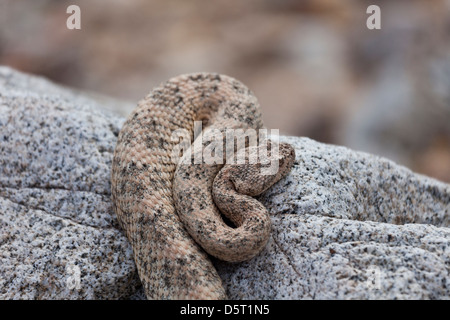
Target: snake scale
[(170, 211)]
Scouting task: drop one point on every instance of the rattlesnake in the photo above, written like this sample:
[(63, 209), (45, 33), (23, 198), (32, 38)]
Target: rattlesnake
[(147, 194)]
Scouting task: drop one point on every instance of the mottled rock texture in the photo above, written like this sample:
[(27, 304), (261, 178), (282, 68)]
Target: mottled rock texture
[(58, 239), (346, 224)]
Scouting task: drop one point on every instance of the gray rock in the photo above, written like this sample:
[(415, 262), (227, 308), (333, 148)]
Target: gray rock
[(58, 239), (346, 225)]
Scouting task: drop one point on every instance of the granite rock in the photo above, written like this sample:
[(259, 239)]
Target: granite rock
[(58, 239), (346, 224)]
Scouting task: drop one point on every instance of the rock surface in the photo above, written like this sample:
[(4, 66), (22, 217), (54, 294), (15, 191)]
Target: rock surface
[(346, 225), (58, 239)]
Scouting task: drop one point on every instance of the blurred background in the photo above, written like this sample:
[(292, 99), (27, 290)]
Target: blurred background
[(315, 67)]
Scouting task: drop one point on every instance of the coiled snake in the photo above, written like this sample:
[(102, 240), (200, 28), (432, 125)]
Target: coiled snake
[(170, 212)]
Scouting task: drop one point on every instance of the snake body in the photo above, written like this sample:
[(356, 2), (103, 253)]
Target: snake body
[(169, 212)]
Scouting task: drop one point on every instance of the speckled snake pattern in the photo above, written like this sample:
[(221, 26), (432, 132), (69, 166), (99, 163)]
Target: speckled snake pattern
[(172, 214)]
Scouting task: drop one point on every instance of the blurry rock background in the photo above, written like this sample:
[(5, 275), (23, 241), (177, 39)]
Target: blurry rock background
[(315, 67)]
